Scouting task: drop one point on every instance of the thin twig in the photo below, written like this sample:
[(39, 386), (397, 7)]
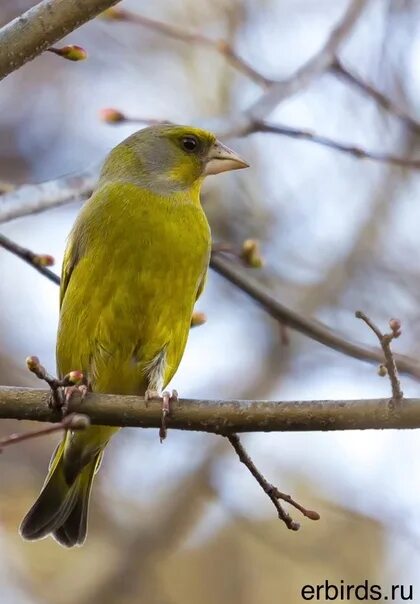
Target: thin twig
[(273, 493), (39, 262), (357, 152), (74, 421), (31, 199), (114, 116), (381, 99), (310, 71), (385, 342), (309, 327), (55, 384), (192, 37)]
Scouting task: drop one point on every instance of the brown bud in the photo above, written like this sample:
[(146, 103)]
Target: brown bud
[(44, 260), (72, 52), (32, 363), (114, 14), (395, 325), (312, 514), (111, 116), (251, 254), (223, 46), (382, 370), (198, 318)]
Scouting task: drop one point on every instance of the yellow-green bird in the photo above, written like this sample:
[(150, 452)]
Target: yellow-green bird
[(135, 263)]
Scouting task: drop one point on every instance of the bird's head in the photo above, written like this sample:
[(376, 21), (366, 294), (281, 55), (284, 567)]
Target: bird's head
[(169, 158)]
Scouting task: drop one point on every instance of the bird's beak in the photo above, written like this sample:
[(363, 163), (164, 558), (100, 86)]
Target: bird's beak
[(221, 159)]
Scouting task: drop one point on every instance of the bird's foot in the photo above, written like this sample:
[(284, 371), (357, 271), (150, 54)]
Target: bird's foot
[(79, 390), (167, 399)]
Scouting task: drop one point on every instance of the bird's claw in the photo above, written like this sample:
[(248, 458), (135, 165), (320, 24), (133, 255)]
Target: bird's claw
[(69, 392), (167, 399)]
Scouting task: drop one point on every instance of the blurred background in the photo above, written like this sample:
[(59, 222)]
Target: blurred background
[(184, 522)]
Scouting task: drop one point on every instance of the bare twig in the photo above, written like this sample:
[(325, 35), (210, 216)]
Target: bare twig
[(74, 421), (191, 37), (310, 71), (72, 378), (273, 493), (39, 262), (383, 101), (309, 327), (40, 27), (217, 416), (357, 152), (385, 342)]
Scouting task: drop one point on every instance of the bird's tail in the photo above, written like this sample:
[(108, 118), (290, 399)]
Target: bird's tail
[(62, 505)]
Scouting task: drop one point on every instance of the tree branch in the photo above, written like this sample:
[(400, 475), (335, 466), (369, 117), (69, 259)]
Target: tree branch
[(385, 340), (316, 66), (31, 199), (114, 116), (357, 152), (273, 493), (309, 327), (40, 262), (40, 27), (220, 417), (383, 101), (73, 421), (192, 37)]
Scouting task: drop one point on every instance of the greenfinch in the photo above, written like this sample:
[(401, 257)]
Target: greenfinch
[(135, 263)]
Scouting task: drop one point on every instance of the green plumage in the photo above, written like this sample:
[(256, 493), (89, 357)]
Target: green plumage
[(135, 263)]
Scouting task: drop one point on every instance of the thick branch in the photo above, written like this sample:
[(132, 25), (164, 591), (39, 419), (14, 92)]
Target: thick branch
[(40, 27), (221, 417)]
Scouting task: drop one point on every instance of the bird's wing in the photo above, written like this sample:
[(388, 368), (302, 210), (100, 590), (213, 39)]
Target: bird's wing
[(71, 258)]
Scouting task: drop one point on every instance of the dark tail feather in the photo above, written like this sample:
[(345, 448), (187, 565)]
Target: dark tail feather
[(74, 528), (61, 508)]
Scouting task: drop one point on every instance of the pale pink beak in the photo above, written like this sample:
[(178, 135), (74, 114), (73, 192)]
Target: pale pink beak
[(222, 159)]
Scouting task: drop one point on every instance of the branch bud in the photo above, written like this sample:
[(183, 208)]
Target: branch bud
[(111, 116), (114, 14), (44, 260), (382, 371), (312, 515), (70, 52), (395, 325), (251, 254), (32, 363)]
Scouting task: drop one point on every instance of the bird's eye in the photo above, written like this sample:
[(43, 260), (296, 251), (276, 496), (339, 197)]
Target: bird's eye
[(190, 143)]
